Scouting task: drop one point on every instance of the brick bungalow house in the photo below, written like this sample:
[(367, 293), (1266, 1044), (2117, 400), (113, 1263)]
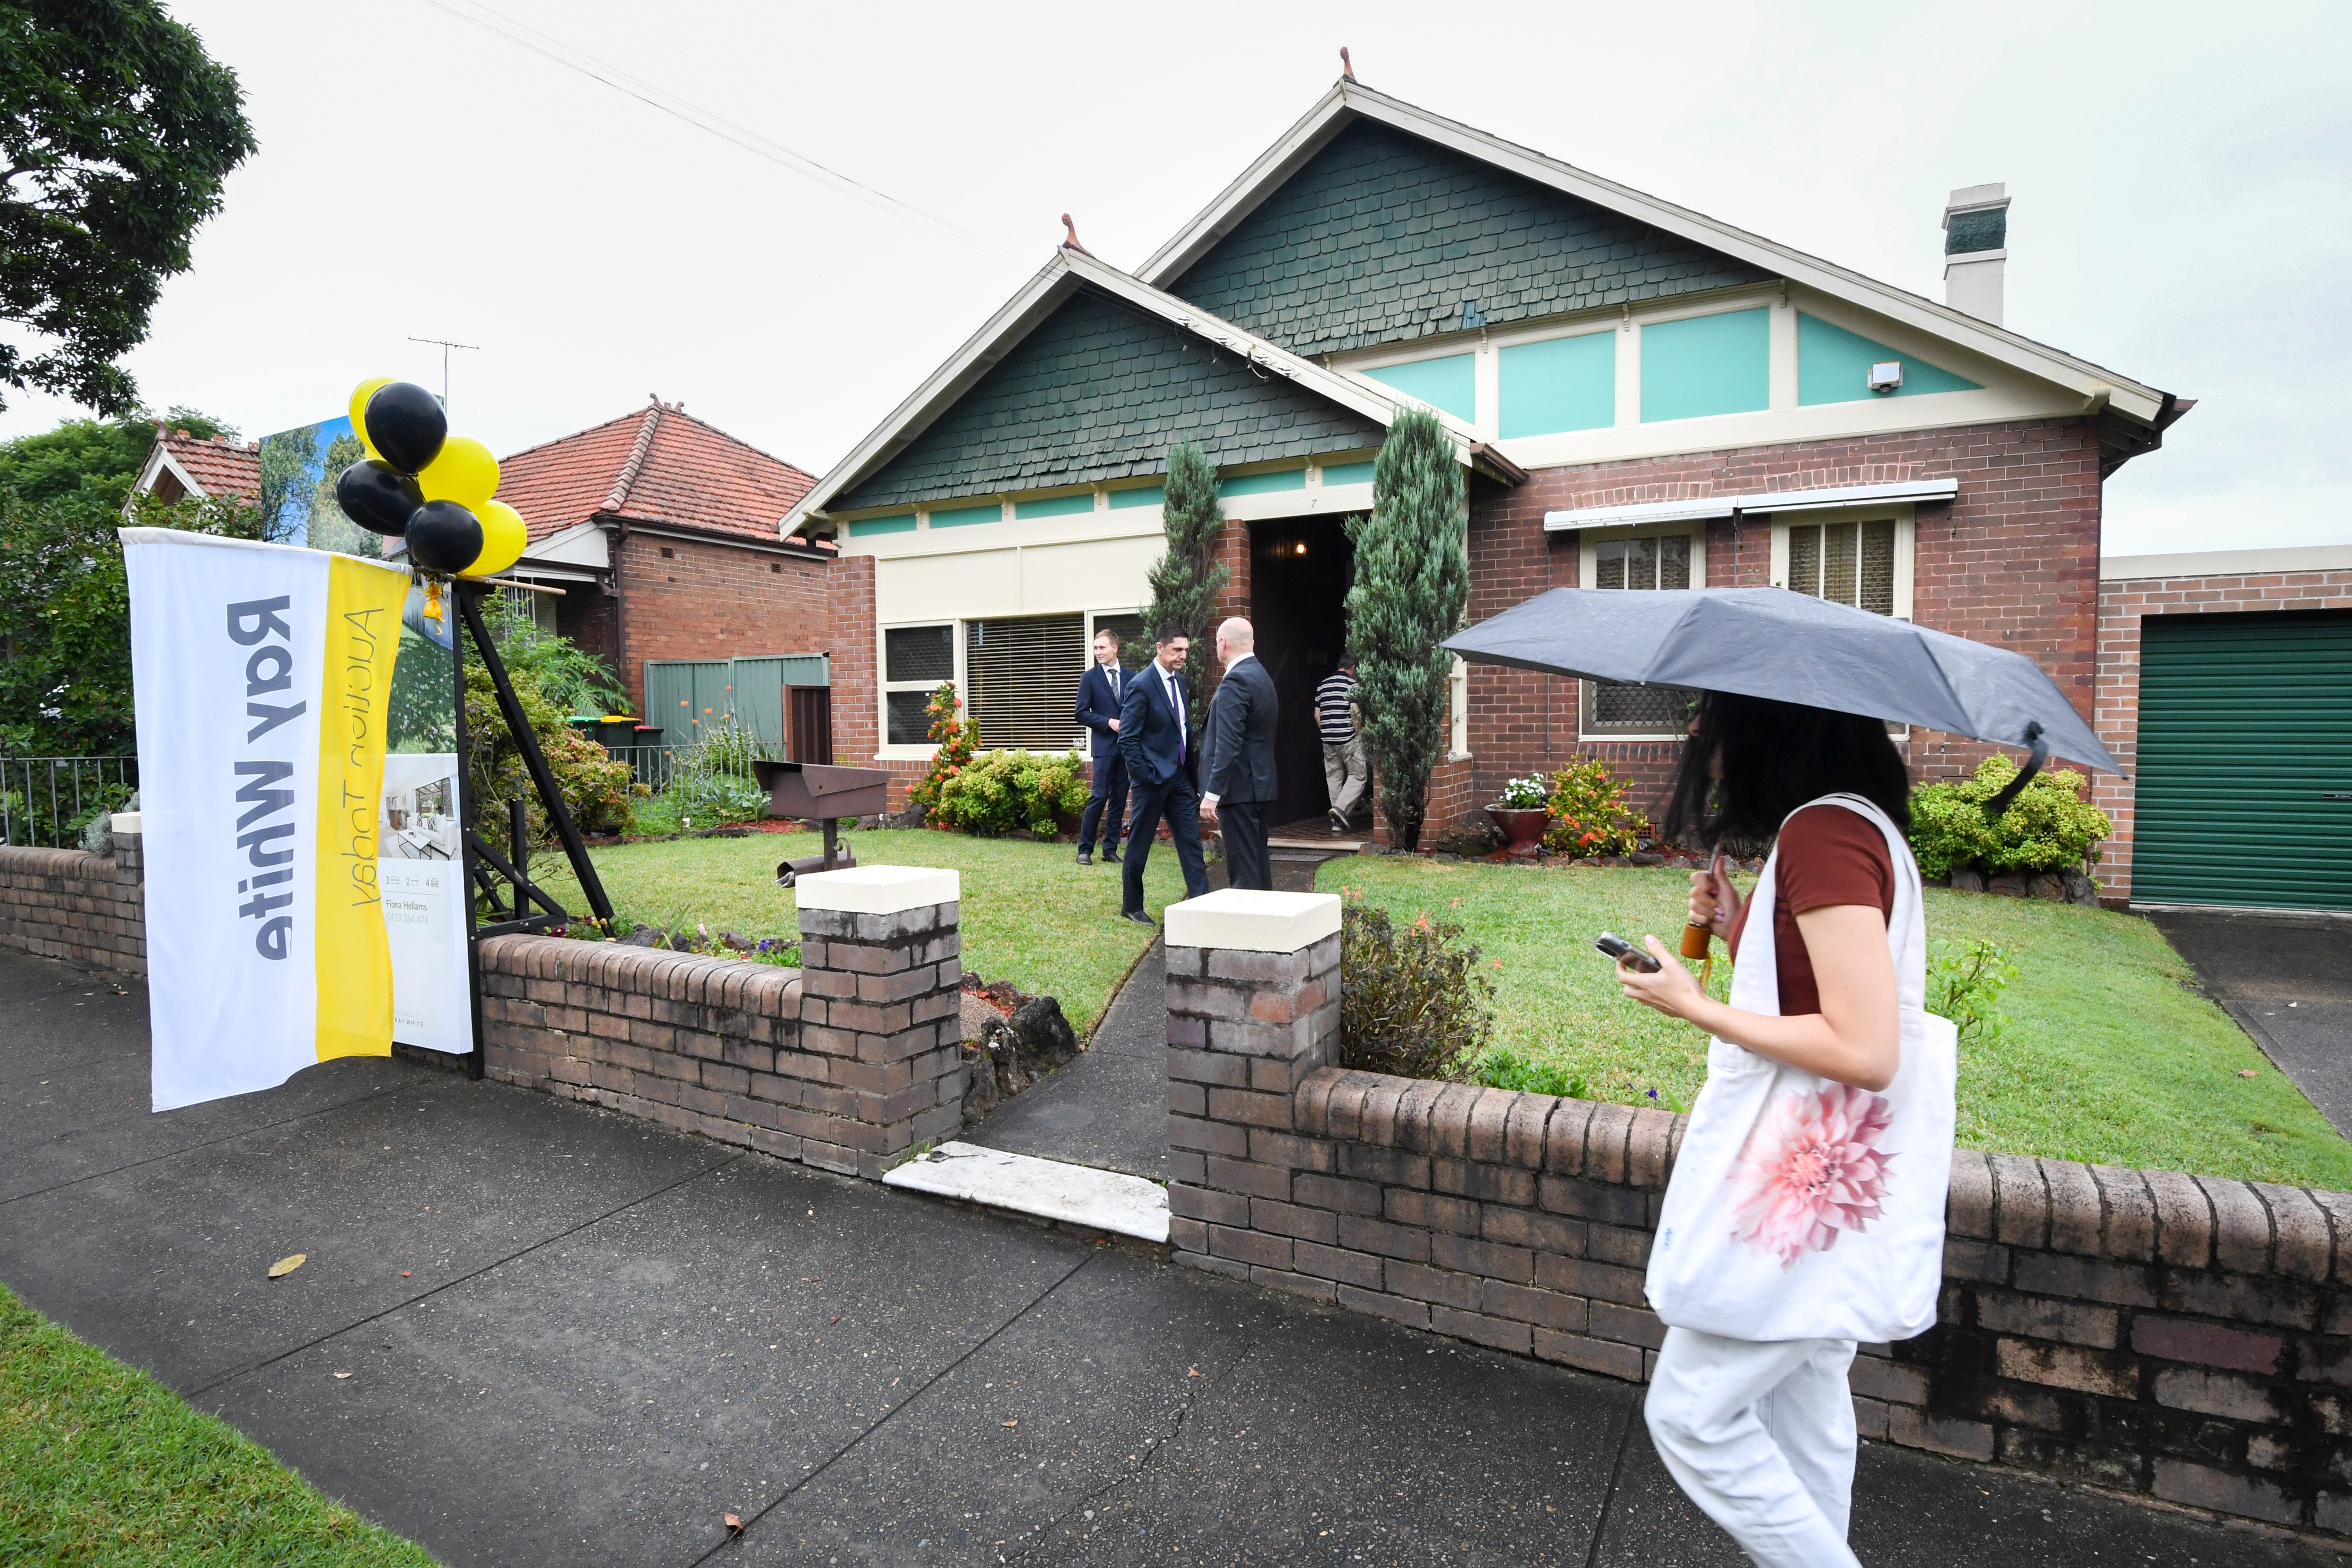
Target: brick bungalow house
[(181, 466), (661, 531), (1641, 396)]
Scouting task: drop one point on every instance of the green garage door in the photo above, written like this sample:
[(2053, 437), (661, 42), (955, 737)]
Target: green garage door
[(2244, 790)]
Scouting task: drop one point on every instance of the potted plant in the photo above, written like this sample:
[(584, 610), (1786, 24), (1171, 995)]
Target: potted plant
[(1519, 811)]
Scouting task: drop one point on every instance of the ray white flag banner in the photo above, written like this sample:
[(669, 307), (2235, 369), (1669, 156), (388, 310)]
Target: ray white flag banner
[(263, 673)]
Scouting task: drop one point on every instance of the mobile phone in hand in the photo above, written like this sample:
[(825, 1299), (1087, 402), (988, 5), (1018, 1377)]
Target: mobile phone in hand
[(1617, 947)]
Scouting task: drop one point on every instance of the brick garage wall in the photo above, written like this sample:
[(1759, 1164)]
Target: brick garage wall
[(2123, 603), (83, 909), (845, 1064), (2188, 1339), (590, 617), (687, 598), (2013, 562)]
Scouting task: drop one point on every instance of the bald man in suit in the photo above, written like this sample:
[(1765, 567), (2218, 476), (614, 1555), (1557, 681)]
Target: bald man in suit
[(1241, 785)]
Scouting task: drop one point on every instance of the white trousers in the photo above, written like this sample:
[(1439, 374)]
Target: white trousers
[(1760, 1435)]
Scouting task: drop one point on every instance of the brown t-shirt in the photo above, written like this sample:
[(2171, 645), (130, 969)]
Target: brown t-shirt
[(1828, 856)]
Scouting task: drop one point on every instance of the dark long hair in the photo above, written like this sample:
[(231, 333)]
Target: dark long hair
[(1776, 757)]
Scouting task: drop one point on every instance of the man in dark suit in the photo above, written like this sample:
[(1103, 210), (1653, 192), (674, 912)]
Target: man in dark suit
[(1240, 778), (1099, 690), (1154, 739)]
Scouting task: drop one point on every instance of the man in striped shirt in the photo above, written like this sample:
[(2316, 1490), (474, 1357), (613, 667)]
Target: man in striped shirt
[(1344, 770)]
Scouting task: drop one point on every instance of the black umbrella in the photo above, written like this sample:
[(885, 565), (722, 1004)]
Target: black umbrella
[(1792, 648)]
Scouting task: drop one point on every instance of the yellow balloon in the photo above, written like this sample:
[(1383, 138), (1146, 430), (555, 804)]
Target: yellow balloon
[(503, 538), (465, 472), (360, 395)]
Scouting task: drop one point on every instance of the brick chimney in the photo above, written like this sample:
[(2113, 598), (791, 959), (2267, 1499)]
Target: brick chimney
[(1976, 239)]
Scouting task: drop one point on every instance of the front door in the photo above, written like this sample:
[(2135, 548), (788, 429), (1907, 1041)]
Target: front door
[(1299, 572)]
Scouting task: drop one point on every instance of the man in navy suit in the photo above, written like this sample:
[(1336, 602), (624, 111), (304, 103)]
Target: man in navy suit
[(1155, 739), (1099, 690), (1240, 787)]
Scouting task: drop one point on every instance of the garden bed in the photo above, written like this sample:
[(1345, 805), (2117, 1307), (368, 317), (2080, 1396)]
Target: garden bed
[(2111, 1056)]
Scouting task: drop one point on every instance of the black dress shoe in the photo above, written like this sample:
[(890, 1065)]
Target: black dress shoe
[(1138, 916), (1110, 856), (1086, 857)]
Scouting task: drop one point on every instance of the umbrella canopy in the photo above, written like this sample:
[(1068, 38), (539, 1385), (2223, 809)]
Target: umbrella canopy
[(1769, 642)]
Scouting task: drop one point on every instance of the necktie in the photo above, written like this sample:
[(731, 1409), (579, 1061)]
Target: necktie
[(1176, 700), (1114, 683)]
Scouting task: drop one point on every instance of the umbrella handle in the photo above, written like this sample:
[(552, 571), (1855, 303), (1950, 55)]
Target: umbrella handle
[(2034, 761)]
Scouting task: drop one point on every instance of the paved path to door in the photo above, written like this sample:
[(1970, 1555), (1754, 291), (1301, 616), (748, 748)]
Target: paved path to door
[(575, 1338), (2287, 980)]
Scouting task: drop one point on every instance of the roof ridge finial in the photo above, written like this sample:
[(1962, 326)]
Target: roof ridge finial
[(1071, 241), (1346, 66)]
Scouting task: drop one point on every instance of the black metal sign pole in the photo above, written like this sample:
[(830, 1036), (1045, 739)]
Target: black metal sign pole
[(467, 871)]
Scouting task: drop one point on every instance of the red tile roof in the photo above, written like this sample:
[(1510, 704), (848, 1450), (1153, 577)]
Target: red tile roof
[(219, 467), (659, 465)]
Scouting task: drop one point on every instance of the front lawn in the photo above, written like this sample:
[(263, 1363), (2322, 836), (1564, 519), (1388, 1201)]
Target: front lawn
[(102, 1464), (1031, 913), (2109, 1056)]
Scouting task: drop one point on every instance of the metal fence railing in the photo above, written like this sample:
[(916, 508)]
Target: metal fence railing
[(45, 802), (659, 767)]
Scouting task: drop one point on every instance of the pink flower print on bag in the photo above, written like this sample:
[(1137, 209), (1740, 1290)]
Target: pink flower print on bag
[(1812, 1168)]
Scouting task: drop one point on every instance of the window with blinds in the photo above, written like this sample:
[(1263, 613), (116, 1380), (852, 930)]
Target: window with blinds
[(915, 660), (1849, 562), (1020, 679), (1652, 562)]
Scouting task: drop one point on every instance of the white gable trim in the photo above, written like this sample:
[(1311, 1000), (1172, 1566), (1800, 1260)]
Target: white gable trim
[(1711, 507), (160, 459), (1349, 100), (1028, 309)]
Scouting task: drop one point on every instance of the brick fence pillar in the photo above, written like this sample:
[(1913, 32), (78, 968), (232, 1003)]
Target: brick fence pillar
[(881, 971), (1253, 1007)]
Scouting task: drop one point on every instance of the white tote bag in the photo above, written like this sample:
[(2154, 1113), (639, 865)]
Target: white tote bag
[(1804, 1208)]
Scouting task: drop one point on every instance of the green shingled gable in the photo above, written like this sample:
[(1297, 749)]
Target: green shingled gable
[(1382, 237), (1098, 392)]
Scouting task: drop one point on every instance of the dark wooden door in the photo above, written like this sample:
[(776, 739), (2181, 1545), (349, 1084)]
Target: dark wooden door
[(1299, 571), (808, 710)]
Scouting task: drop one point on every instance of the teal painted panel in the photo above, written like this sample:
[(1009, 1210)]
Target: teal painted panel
[(1450, 382), (1347, 473), (669, 697), (1149, 495), (1563, 384), (864, 527), (759, 699), (1706, 365), (805, 670), (1264, 484), (1054, 506), (1833, 366), (965, 516)]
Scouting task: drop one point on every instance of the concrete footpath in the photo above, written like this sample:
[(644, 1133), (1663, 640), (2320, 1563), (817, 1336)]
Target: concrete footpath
[(573, 1337)]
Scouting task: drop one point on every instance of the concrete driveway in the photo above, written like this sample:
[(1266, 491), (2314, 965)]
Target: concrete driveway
[(2287, 979)]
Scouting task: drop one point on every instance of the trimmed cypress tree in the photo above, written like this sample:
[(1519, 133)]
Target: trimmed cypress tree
[(1185, 581), (1412, 584)]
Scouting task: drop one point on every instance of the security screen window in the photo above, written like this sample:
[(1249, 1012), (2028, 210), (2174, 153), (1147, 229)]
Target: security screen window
[(1848, 563), (915, 661), (1611, 709)]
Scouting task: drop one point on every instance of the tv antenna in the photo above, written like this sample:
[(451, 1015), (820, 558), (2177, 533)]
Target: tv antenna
[(446, 346)]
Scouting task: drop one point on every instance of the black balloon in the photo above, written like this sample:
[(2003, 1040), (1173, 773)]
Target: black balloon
[(406, 425), (444, 536), (377, 496)]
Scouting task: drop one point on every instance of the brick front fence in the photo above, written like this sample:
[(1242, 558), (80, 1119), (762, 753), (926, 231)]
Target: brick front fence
[(2186, 1338), (81, 908)]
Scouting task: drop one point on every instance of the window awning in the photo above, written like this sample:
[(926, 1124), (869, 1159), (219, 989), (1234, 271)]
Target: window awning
[(1708, 507)]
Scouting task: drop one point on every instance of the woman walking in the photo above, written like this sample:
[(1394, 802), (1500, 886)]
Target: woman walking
[(1806, 1210)]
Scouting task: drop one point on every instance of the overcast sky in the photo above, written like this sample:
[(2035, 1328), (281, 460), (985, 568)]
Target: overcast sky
[(2181, 178)]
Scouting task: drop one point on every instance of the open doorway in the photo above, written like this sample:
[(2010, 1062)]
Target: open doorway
[(1299, 571)]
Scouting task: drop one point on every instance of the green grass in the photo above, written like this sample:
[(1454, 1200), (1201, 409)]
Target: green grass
[(2110, 1055), (1031, 913), (102, 1464)]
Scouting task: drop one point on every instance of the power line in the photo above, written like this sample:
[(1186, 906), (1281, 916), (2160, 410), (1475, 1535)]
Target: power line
[(705, 120)]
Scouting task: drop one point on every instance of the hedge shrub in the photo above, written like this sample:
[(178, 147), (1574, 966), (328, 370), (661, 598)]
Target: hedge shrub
[(997, 792), (2048, 827), (1590, 814), (1412, 1000)]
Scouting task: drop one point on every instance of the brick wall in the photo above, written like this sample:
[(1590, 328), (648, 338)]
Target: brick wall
[(2013, 562), (2122, 605), (704, 599), (847, 1063), (2184, 1338), (82, 908)]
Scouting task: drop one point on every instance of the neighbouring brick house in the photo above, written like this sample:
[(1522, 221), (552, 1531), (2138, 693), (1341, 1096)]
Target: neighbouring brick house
[(661, 531), (182, 467), (1641, 396)]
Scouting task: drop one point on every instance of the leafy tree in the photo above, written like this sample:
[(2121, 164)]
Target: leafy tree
[(286, 459), (1412, 584), (1185, 581), (98, 458), (118, 131), (324, 525)]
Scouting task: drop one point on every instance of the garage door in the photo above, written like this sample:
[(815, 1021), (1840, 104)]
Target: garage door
[(2244, 790)]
